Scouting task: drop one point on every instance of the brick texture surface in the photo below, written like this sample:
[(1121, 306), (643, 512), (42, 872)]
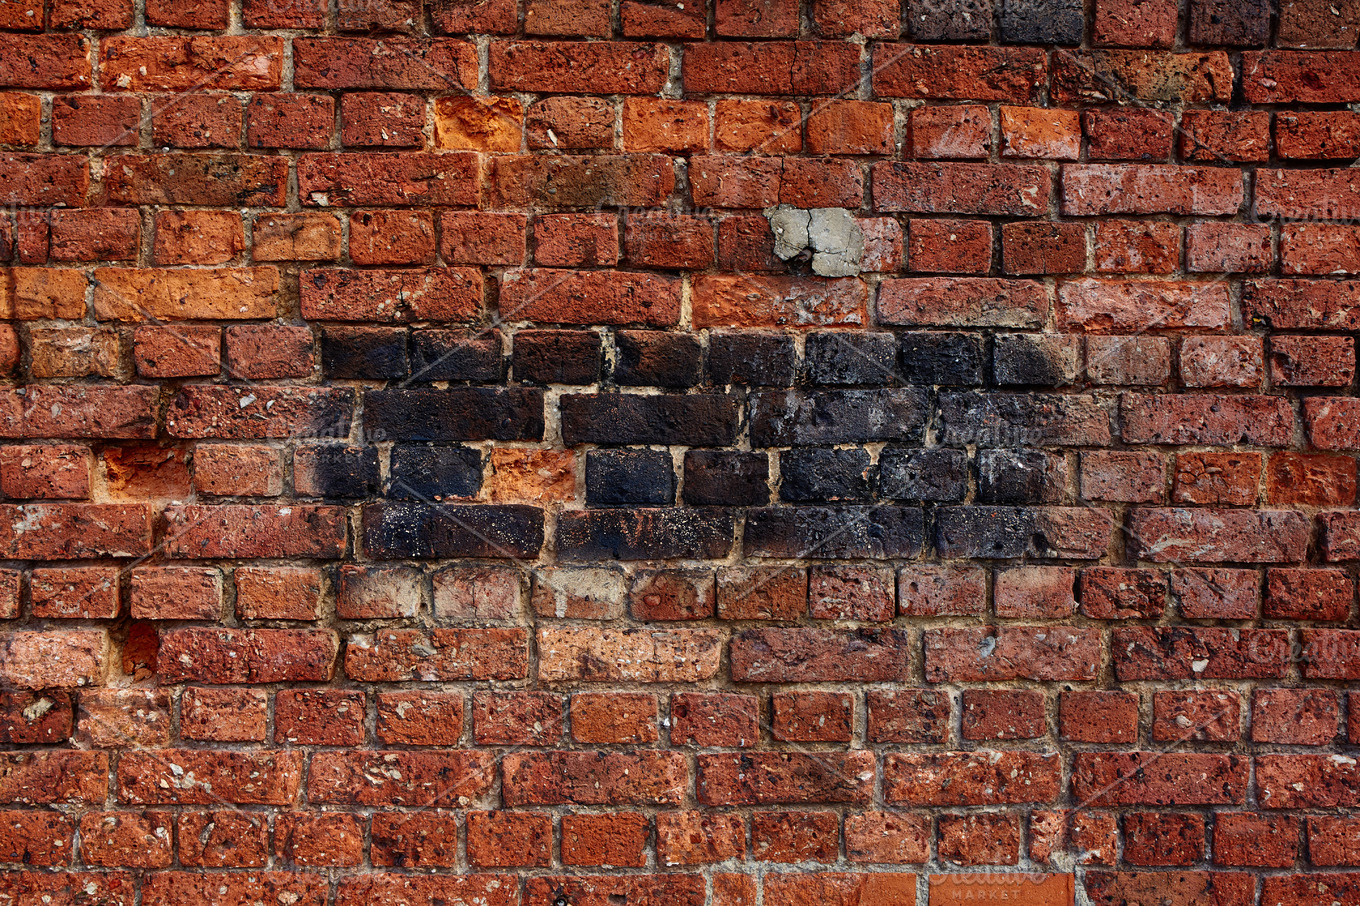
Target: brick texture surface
[(432, 472)]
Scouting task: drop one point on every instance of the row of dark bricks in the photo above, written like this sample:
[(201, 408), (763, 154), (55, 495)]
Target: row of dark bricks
[(644, 358)]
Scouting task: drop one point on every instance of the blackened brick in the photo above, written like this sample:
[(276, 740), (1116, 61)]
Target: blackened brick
[(363, 352), (654, 358), (850, 358), (644, 534), (726, 478), (1037, 359), (1041, 21), (836, 416), (756, 358), (618, 419), (1243, 23), (557, 356), (459, 413), (1021, 476), (952, 359), (883, 532), (455, 355), (999, 532), (906, 473), (335, 470), (817, 474), (950, 20), (395, 530), (616, 477), (434, 472), (1029, 419)]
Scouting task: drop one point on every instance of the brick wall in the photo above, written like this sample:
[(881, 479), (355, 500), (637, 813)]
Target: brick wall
[(428, 482)]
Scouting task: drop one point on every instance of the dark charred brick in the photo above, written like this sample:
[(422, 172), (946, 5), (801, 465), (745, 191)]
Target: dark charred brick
[(1241, 23), (615, 477), (454, 355), (1021, 476), (644, 534), (952, 359), (395, 530), (850, 358), (817, 474), (755, 358), (1003, 533), (1041, 21), (950, 20), (1028, 419), (654, 358), (459, 413), (434, 472), (618, 419), (1036, 359), (883, 532), (836, 416), (905, 473), (557, 356), (726, 478), (363, 352), (336, 470)]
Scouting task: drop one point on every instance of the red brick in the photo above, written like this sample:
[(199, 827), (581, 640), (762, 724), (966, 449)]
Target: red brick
[(1202, 716), (1128, 133), (1163, 838), (1228, 248), (726, 181), (178, 63), (247, 655), (223, 715), (320, 717), (576, 17), (1003, 714), (667, 241), (660, 125), (714, 719), (891, 838), (304, 121), (517, 718), (613, 717), (795, 836), (126, 839), (961, 188), (852, 593), (587, 297), (375, 178), (1099, 716), (1010, 74), (33, 179), (480, 595), (1131, 76), (393, 63), (20, 119), (1112, 593), (966, 778), (668, 18), (1121, 23), (553, 67), (797, 888), (576, 240), (697, 837), (171, 888), (1016, 652), (45, 471), (849, 127), (768, 778), (614, 839), (382, 120), (570, 123), (1297, 77), (181, 351), (1312, 361), (593, 778), (1225, 136), (95, 120), (425, 838), (1311, 479), (989, 839), (1035, 132), (44, 61), (420, 718), (1305, 781), (1180, 778), (248, 530), (320, 840), (36, 838), (908, 716), (509, 839), (1306, 717), (228, 470), (209, 777), (1333, 841), (771, 68), (402, 654), (1317, 135), (378, 592), (949, 246), (198, 121), (812, 716), (1231, 479), (769, 127), (176, 593), (1268, 841)]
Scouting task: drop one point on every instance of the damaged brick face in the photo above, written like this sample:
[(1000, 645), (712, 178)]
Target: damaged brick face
[(705, 453)]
